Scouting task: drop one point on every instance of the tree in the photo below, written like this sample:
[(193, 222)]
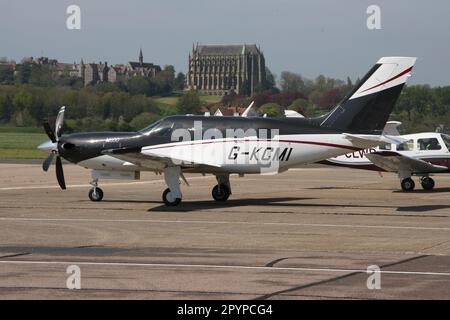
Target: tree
[(22, 100), (142, 120), (271, 109), (106, 87), (165, 80), (6, 74), (304, 107), (330, 98), (138, 85), (41, 75), (291, 82), (5, 112), (179, 82), (23, 72), (268, 83), (270, 80), (189, 103)]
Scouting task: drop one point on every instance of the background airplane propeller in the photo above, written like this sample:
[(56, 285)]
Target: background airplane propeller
[(54, 138)]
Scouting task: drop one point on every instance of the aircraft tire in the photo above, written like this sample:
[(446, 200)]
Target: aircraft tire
[(427, 183), (222, 193), (168, 202), (408, 184), (96, 194)]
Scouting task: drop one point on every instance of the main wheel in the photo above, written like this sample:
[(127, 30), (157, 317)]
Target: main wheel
[(96, 194), (427, 183), (221, 192), (408, 184), (170, 200)]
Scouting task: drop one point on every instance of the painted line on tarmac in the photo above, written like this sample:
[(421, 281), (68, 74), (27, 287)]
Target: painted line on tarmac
[(287, 224), (210, 266), (88, 185)]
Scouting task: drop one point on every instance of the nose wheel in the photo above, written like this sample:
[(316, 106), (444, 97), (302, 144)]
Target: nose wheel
[(96, 194), (170, 199)]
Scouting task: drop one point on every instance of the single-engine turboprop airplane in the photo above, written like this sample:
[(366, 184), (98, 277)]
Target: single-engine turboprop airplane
[(233, 145), (419, 154)]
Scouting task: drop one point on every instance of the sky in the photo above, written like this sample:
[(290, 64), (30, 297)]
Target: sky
[(309, 37)]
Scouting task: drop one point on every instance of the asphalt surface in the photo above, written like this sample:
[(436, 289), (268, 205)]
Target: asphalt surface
[(304, 234)]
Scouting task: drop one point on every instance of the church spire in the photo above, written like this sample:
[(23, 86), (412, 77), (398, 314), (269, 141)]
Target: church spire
[(141, 57)]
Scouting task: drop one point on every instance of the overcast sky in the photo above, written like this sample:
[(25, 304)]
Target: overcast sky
[(309, 37)]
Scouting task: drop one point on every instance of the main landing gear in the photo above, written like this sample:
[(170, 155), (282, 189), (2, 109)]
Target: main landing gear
[(427, 183), (95, 194), (222, 191), (172, 195), (409, 185)]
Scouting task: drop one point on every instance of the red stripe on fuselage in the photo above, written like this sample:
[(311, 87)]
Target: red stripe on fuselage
[(325, 144)]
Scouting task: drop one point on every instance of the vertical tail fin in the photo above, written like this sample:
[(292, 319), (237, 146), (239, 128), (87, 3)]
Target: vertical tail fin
[(368, 106)]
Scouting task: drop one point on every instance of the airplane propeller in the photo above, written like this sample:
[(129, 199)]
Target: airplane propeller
[(53, 146)]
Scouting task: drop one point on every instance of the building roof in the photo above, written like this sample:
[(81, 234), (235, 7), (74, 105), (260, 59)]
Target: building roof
[(145, 65), (227, 49)]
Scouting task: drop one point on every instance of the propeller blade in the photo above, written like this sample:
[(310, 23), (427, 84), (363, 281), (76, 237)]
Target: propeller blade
[(59, 122), (60, 173), (49, 132), (48, 161)]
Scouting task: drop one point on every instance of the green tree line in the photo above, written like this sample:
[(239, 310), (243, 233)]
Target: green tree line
[(34, 94)]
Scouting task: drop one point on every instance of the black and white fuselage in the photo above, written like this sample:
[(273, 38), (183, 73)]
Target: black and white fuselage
[(243, 145)]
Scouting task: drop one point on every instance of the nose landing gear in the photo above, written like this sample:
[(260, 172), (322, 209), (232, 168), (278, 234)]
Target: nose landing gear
[(172, 195), (95, 194)]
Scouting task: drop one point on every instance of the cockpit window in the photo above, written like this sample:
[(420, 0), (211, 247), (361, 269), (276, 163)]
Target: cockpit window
[(406, 146), (149, 128), (386, 146), (446, 139), (429, 144), (163, 129)]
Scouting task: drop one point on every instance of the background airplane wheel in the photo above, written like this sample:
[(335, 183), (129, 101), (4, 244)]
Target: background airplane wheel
[(221, 193), (96, 194), (427, 183), (168, 200), (408, 184)]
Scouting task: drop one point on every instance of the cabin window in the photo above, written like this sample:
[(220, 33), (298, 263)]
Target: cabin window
[(406, 146), (446, 139), (429, 144), (386, 146)]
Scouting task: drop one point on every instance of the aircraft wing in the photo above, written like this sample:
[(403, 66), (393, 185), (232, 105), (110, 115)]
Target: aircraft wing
[(395, 162), (150, 160)]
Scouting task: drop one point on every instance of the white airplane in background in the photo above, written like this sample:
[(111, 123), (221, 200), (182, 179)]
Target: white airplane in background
[(420, 154)]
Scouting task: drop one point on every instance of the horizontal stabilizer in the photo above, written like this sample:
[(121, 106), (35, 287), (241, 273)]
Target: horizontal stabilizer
[(367, 141)]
